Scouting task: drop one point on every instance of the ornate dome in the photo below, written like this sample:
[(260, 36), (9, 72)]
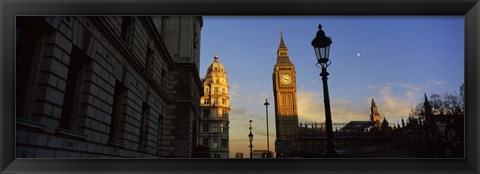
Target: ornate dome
[(215, 67)]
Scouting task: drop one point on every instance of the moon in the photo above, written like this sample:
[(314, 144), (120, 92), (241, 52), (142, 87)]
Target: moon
[(358, 54)]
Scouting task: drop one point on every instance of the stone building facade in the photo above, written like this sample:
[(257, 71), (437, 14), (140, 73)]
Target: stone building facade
[(215, 104), (110, 86)]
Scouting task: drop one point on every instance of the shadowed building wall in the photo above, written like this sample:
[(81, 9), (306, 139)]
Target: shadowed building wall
[(115, 86)]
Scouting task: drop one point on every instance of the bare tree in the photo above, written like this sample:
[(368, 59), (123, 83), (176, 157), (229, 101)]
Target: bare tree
[(449, 132)]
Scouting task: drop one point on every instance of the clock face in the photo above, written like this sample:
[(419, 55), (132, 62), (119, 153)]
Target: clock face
[(285, 79)]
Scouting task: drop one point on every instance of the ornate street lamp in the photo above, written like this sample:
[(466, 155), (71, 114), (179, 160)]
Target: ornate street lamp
[(268, 143), (250, 137), (321, 45)]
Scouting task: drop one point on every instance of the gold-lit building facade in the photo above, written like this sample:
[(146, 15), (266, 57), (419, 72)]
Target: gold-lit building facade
[(215, 104), (375, 115), (285, 95)]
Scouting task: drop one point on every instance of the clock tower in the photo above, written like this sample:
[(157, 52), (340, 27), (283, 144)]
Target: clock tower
[(285, 92)]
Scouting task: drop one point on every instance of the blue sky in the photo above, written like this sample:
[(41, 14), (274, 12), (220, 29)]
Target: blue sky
[(394, 59)]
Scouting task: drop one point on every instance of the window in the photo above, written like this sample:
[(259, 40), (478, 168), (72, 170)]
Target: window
[(206, 91), (117, 112), (73, 89), (205, 142), (223, 90), (222, 127), (224, 143), (214, 113), (206, 101), (223, 101), (206, 113), (215, 90), (225, 128), (149, 61), (127, 28), (143, 137), (215, 101), (215, 128), (215, 143), (205, 127), (225, 113)]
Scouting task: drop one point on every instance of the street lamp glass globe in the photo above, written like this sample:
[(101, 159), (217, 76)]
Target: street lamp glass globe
[(322, 54)]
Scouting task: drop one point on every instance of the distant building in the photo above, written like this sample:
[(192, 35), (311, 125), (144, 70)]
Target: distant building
[(358, 126), (107, 86), (375, 115), (215, 104)]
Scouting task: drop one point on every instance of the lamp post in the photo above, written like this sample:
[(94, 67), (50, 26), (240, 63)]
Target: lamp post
[(321, 45), (250, 137), (268, 142)]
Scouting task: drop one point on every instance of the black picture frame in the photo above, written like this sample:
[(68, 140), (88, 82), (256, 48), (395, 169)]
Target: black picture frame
[(9, 9)]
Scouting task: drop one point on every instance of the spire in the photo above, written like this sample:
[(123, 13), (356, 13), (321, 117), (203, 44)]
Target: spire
[(282, 52), (215, 58), (282, 44), (373, 102)]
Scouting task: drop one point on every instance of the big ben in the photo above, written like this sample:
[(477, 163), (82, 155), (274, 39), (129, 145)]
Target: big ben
[(285, 93)]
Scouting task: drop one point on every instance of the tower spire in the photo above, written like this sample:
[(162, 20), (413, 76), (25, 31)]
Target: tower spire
[(282, 44), (374, 115), (282, 52)]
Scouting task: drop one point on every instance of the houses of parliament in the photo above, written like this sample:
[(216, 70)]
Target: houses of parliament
[(414, 137)]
